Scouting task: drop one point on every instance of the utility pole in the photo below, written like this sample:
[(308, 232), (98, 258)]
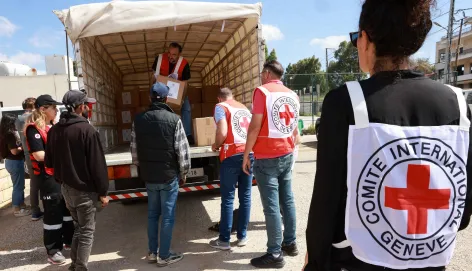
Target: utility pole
[(326, 60), (449, 41), (457, 50)]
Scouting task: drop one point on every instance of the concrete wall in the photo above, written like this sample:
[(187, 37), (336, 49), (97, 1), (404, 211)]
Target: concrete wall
[(6, 187), (14, 89)]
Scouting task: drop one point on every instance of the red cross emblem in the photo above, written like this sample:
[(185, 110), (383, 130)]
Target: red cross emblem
[(417, 198), (287, 115), (244, 124)]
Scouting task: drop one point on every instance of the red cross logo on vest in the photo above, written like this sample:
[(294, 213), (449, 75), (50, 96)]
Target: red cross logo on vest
[(287, 115), (244, 124), (417, 198)]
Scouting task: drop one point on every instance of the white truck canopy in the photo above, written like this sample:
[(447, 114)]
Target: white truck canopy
[(123, 16)]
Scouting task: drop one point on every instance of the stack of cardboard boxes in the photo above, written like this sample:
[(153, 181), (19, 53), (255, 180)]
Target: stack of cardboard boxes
[(202, 101)]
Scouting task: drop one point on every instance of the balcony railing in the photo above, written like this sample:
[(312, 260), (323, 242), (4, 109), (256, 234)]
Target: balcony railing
[(465, 30)]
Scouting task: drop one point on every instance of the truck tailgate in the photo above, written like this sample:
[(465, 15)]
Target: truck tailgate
[(121, 155)]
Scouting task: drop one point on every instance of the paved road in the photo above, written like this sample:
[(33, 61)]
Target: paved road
[(121, 241)]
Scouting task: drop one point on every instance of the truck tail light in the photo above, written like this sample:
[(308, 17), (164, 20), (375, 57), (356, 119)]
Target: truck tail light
[(122, 172)]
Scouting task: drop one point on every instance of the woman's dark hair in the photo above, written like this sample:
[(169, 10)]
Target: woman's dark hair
[(7, 127), (398, 28)]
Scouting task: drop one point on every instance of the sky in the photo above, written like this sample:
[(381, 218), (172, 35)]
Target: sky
[(296, 29)]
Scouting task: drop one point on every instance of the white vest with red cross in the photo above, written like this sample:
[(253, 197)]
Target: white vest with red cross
[(406, 189), (238, 118), (283, 108)]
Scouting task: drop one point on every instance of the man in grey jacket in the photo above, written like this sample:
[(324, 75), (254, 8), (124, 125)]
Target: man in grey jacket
[(28, 106)]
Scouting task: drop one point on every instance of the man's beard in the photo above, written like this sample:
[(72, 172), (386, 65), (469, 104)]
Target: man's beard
[(85, 114)]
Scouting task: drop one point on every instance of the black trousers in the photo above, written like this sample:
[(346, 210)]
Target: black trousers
[(57, 221)]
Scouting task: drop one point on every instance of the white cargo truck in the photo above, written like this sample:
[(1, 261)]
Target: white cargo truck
[(115, 45)]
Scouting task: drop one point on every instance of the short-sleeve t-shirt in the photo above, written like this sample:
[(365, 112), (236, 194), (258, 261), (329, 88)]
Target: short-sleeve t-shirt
[(219, 113), (12, 142)]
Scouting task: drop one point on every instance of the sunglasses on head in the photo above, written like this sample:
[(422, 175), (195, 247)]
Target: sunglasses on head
[(354, 36)]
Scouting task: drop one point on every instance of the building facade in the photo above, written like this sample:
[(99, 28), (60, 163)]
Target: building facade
[(462, 74)]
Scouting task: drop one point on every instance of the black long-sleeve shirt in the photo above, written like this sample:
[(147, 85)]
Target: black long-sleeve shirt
[(76, 154), (398, 98)]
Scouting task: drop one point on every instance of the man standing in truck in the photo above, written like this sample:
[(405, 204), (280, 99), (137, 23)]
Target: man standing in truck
[(232, 120), (160, 148), (173, 65), (272, 136)]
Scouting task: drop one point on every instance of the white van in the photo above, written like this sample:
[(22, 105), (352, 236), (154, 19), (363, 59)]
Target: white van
[(18, 111)]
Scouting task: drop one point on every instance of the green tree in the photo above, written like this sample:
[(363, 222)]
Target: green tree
[(305, 73), (345, 66), (272, 55), (422, 65)]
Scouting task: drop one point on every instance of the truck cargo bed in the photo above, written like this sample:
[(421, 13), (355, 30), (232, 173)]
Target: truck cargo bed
[(121, 155)]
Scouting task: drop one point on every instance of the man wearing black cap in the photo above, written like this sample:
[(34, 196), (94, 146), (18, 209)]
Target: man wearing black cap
[(77, 157), (161, 150)]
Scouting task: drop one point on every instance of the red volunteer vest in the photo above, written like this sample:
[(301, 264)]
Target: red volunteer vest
[(238, 118), (282, 108), (34, 162), (163, 66)]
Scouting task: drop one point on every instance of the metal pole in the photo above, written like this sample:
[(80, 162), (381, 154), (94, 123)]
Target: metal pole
[(449, 42), (68, 64), (457, 51), (312, 109), (326, 60)]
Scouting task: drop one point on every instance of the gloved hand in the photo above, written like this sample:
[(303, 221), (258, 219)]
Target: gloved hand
[(173, 76)]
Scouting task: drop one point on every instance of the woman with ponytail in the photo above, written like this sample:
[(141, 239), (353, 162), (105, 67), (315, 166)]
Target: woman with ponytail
[(57, 222), (393, 184)]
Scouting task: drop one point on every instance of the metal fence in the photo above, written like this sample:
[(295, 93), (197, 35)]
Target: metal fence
[(312, 88)]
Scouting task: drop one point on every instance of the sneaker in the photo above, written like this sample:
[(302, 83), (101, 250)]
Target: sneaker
[(242, 242), (290, 250), (22, 212), (217, 243), (37, 216), (269, 261), (67, 247), (173, 258), (151, 258), (56, 258)]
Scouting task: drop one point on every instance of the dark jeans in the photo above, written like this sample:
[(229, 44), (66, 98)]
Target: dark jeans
[(82, 206), (162, 199), (231, 174), (274, 180), (34, 191)]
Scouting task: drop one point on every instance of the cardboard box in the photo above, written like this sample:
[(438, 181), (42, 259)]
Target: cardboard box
[(208, 110), (128, 99), (204, 130), (124, 134), (178, 90), (194, 95), (210, 94), (196, 110), (144, 99), (125, 116)]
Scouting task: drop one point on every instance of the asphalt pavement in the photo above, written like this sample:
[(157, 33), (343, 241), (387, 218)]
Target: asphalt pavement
[(121, 239)]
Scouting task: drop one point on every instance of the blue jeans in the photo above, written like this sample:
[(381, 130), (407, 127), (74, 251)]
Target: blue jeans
[(231, 173), (162, 200), (16, 168), (274, 180), (187, 117)]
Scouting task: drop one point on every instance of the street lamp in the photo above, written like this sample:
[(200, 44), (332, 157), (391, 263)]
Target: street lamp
[(438, 24)]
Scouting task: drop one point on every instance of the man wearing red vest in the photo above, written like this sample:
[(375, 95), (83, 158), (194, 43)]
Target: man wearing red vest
[(272, 136), (232, 120), (173, 65)]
